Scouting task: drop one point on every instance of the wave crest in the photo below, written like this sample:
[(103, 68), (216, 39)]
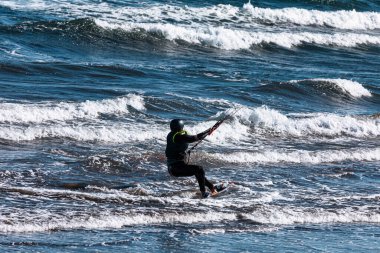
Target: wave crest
[(313, 124), (342, 86), (216, 36), (343, 19), (248, 14), (65, 111), (233, 39), (300, 156), (274, 215)]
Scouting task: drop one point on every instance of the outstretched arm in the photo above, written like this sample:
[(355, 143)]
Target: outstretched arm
[(191, 138)]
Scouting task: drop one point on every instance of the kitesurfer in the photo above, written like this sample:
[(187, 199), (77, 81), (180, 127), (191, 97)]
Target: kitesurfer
[(177, 144)]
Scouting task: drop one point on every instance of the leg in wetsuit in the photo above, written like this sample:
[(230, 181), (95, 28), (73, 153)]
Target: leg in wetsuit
[(181, 169)]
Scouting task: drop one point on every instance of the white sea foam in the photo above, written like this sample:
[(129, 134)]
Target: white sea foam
[(270, 215), (38, 220), (208, 231), (232, 39), (63, 111), (337, 19), (231, 15), (287, 216), (17, 4), (350, 87), (248, 123), (266, 120), (114, 221), (203, 26), (219, 101), (367, 197), (103, 133), (249, 14), (300, 156)]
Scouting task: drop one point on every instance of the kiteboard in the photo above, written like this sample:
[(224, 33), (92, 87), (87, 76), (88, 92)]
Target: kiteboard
[(221, 188)]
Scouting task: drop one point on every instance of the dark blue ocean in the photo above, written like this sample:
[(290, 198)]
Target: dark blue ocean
[(87, 91)]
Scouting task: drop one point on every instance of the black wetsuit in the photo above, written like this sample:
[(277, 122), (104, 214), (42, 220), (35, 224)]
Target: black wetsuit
[(177, 144)]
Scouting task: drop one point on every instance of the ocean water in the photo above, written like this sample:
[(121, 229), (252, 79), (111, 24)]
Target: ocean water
[(88, 88)]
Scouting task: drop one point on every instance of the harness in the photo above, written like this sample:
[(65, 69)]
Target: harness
[(182, 132)]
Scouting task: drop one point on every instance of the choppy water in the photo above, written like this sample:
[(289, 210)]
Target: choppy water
[(88, 88)]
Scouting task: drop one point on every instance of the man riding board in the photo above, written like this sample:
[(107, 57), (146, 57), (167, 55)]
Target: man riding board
[(177, 144)]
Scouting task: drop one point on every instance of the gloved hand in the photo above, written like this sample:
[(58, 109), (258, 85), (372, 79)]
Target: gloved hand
[(204, 134)]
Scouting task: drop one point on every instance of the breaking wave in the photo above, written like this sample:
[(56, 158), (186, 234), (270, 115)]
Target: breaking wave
[(344, 86), (220, 26), (268, 215), (210, 15), (116, 133), (300, 156), (231, 39), (247, 124), (264, 119), (337, 19), (65, 111)]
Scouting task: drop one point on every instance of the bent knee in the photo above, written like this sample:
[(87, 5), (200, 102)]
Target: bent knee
[(200, 170)]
